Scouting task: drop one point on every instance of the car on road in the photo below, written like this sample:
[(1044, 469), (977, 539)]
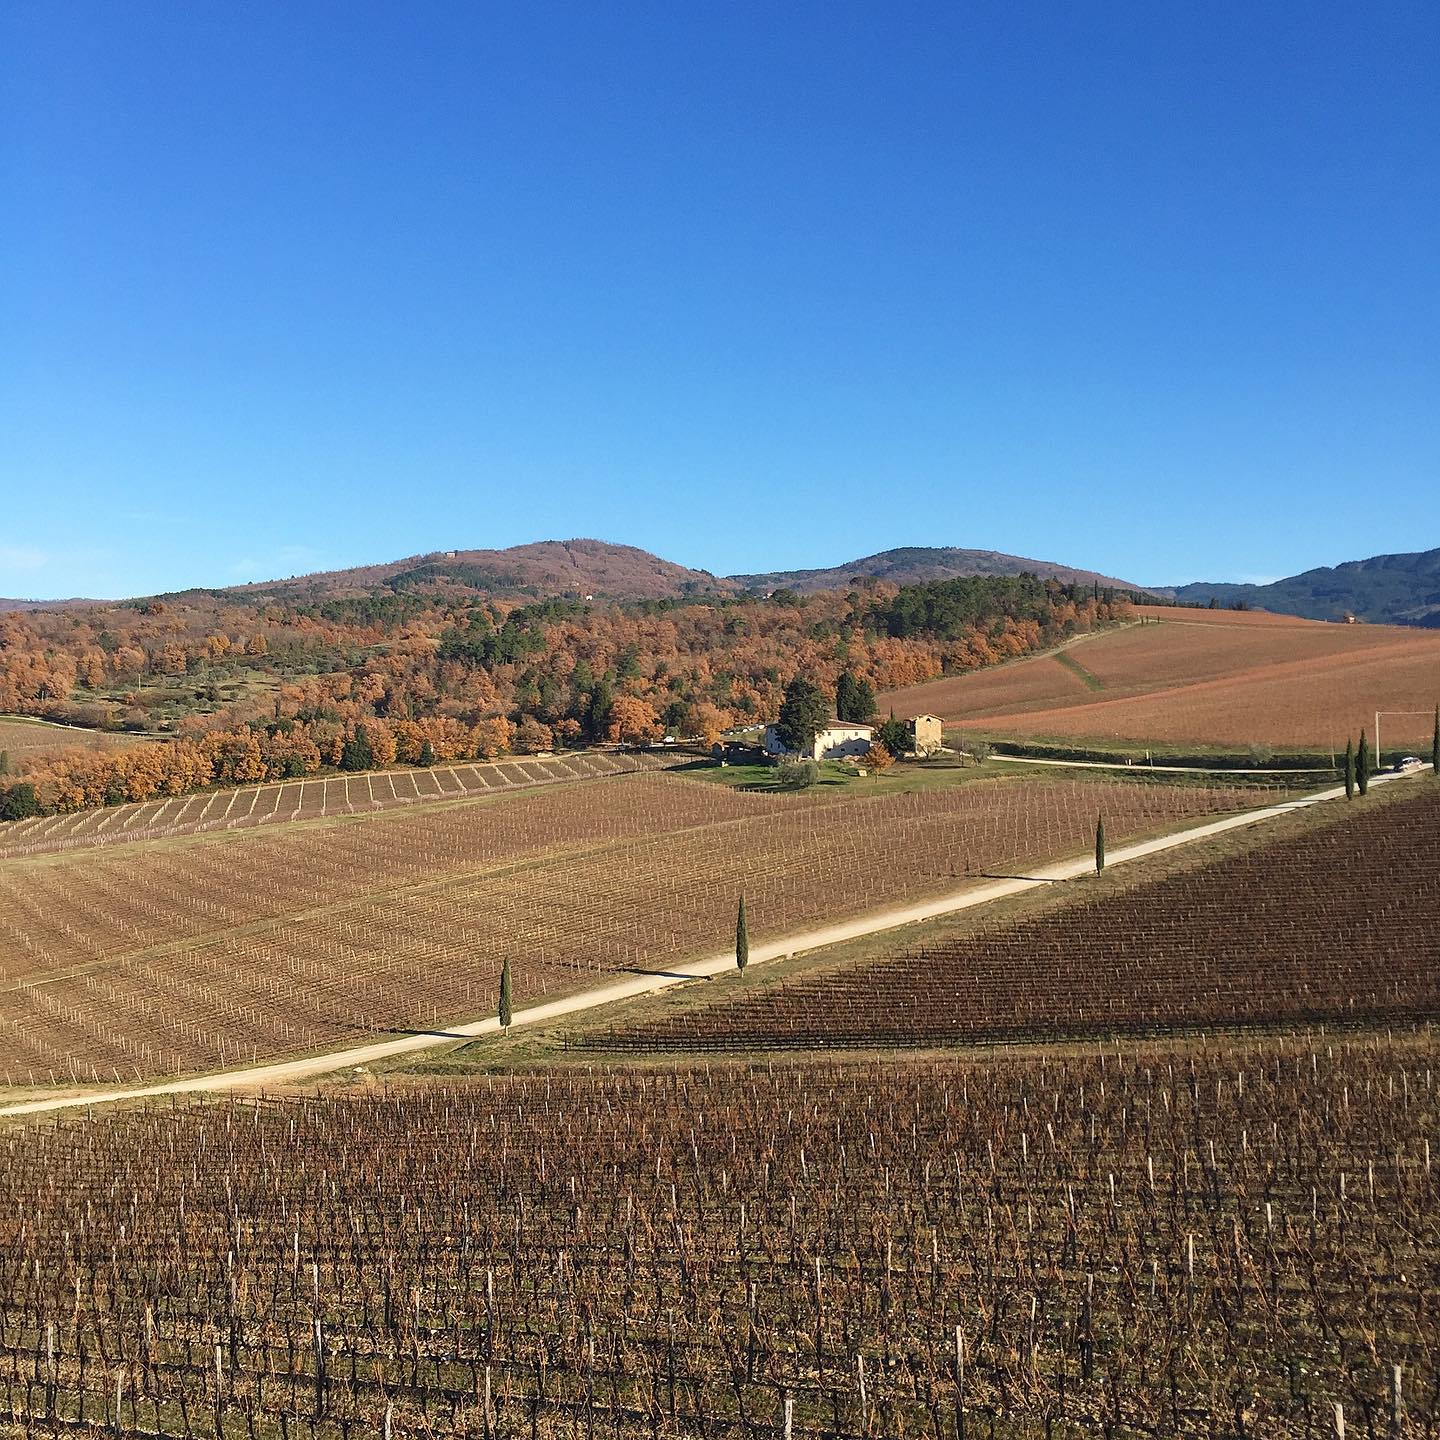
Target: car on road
[(1408, 763)]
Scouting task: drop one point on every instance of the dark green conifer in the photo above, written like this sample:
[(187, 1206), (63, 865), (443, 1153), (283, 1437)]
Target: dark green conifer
[(1349, 769), (506, 1012), (1099, 844), (742, 938)]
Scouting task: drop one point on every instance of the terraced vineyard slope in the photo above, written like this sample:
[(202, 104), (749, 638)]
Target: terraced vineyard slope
[(204, 952), (1234, 1241), (1334, 925)]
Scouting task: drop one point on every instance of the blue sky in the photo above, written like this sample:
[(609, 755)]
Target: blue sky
[(1148, 289)]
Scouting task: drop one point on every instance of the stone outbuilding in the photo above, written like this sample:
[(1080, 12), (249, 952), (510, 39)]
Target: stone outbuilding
[(927, 734)]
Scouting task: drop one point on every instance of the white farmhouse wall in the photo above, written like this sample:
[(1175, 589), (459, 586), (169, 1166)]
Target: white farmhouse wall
[(835, 742)]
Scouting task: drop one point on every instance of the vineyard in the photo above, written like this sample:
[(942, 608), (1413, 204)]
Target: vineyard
[(1231, 1241), (310, 799), (1205, 677), (141, 960), (1333, 925)]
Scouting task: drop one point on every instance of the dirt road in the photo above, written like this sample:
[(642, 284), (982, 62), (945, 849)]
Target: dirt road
[(283, 1072), (1143, 767)]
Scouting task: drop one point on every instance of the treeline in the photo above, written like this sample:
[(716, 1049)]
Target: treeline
[(79, 779), (948, 609), (479, 677)]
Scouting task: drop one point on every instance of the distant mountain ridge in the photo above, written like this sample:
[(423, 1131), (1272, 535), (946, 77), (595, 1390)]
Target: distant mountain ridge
[(73, 604), (1385, 589), (610, 571), (917, 564), (601, 570), (1392, 589)]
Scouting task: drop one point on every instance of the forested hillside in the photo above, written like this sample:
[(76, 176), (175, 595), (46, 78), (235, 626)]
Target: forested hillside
[(1388, 589), (251, 687), (923, 564)]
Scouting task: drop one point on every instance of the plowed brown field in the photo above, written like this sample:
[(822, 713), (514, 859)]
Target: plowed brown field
[(1201, 676), (24, 740)]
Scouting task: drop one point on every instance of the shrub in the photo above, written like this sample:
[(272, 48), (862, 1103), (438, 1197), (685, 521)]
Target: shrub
[(894, 735), (19, 802), (796, 774)]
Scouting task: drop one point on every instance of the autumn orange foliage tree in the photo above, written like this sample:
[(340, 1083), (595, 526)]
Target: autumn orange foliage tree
[(877, 758)]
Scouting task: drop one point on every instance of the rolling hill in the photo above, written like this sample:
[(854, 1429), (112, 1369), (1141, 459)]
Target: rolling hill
[(582, 568), (547, 568), (1192, 677), (7, 605), (916, 564), (1385, 589)]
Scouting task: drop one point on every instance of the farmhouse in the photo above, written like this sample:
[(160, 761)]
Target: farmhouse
[(837, 739)]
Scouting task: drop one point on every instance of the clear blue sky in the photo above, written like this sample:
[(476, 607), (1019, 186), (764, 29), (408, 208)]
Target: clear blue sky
[(1150, 289)]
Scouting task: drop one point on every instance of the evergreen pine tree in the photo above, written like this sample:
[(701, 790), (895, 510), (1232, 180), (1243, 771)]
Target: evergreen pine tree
[(803, 713), (1349, 769), (1099, 844), (895, 735), (599, 708), (742, 938), (357, 752), (1435, 745), (1362, 764), (5, 762), (864, 698), (506, 1012), (427, 753)]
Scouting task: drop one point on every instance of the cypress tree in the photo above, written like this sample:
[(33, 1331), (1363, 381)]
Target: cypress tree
[(1362, 764), (506, 1014), (742, 938), (864, 698), (1435, 745), (1099, 844), (1349, 769)]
